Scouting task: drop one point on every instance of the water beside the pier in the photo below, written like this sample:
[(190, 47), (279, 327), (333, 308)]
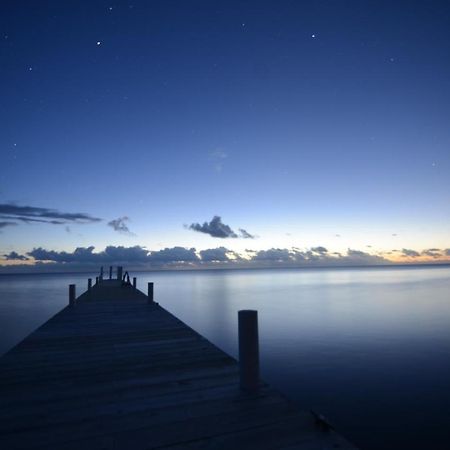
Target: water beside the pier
[(368, 348)]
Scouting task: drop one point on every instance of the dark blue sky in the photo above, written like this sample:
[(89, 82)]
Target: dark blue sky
[(296, 121)]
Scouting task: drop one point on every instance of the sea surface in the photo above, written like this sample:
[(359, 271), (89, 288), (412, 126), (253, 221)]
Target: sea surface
[(368, 348)]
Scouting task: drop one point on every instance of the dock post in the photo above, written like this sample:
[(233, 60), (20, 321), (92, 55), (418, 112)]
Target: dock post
[(72, 295), (134, 282), (119, 272), (101, 274), (150, 292), (96, 280), (248, 350), (110, 272), (89, 284)]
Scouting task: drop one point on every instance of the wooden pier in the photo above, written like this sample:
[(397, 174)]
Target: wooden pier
[(114, 370)]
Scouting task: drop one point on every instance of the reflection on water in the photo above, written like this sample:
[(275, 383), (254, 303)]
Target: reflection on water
[(369, 348)]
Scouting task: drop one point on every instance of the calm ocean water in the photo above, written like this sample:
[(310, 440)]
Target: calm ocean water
[(368, 348)]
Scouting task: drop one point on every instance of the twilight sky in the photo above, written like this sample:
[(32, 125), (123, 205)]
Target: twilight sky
[(246, 125)]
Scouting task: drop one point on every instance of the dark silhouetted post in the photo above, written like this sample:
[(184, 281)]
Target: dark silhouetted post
[(72, 295), (89, 284), (96, 280), (101, 274), (248, 350), (150, 292), (119, 272), (110, 272), (134, 282)]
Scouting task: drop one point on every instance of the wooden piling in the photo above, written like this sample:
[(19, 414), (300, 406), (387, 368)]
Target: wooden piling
[(110, 272), (150, 292), (89, 284), (119, 272), (248, 350), (96, 280), (72, 294), (134, 282)]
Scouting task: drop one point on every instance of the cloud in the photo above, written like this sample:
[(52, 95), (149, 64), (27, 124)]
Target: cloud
[(120, 226), (273, 254), (409, 252), (316, 257), (136, 253), (357, 257), (138, 257), (80, 254), (215, 228), (30, 214), (433, 252), (220, 254), (4, 224), (245, 234), (321, 250), (111, 254), (14, 256), (174, 254)]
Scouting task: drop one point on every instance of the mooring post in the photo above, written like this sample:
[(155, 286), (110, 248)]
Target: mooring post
[(110, 272), (89, 284), (101, 274), (119, 272), (96, 280), (150, 292), (134, 282), (72, 295), (248, 350)]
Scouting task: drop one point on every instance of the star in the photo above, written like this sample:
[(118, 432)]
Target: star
[(99, 43), (30, 69), (313, 36)]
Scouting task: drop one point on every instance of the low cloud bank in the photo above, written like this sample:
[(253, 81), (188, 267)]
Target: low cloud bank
[(14, 256), (180, 257), (138, 257), (435, 253)]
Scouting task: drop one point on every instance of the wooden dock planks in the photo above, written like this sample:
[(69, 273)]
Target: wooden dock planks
[(114, 372)]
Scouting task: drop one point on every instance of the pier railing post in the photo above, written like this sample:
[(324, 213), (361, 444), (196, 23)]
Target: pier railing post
[(119, 272), (101, 274), (248, 350), (72, 294), (134, 282), (110, 272), (96, 280), (89, 284), (150, 292)]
